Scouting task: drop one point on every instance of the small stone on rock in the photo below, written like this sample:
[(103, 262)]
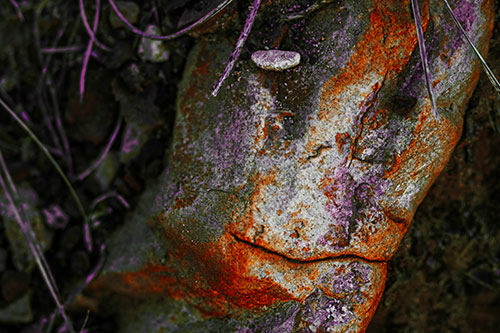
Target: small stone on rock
[(275, 60), (153, 50)]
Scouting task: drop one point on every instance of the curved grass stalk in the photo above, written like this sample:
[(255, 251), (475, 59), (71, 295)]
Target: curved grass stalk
[(88, 51), (103, 155), (52, 161), (486, 68), (18, 10), (179, 33), (33, 244), (91, 31)]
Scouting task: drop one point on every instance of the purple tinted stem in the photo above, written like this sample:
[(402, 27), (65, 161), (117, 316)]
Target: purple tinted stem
[(108, 195), (35, 246), (423, 55), (179, 33), (32, 243), (101, 158), (66, 49), (18, 11), (90, 31), (486, 68), (89, 49), (239, 45), (60, 128)]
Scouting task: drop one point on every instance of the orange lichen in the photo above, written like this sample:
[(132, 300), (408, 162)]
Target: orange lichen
[(375, 51)]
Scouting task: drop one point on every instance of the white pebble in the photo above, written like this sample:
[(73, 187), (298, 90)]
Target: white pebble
[(275, 60)]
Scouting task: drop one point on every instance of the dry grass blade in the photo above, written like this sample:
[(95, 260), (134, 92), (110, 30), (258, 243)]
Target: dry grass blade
[(423, 55), (179, 33), (25, 227), (239, 45), (51, 159), (489, 72)]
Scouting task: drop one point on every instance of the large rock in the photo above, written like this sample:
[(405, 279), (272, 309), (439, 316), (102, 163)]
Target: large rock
[(287, 193)]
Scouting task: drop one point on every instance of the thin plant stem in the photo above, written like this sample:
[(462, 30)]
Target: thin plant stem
[(66, 49), (18, 10), (35, 244), (109, 195), (51, 159), (41, 97), (101, 158), (90, 277), (60, 128), (239, 45), (486, 68), (89, 49), (179, 33), (28, 233), (90, 31), (36, 32), (423, 55)]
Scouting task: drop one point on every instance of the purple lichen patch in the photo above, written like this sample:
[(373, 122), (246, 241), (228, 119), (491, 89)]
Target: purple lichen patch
[(321, 313)]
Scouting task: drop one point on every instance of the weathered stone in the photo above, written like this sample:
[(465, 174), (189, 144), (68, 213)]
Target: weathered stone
[(287, 193), (129, 9), (106, 171), (153, 50), (18, 312), (275, 60)]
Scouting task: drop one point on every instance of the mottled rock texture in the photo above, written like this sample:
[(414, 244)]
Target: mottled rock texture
[(287, 193)]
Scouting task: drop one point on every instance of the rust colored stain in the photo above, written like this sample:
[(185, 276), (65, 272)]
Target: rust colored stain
[(200, 73), (385, 48), (223, 277)]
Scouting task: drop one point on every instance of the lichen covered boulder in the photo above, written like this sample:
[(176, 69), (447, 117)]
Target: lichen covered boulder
[(287, 193)]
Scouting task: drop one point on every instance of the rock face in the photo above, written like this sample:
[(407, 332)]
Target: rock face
[(287, 193)]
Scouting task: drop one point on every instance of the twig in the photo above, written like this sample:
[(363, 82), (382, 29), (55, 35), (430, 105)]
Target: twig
[(33, 245), (423, 55), (179, 33), (89, 47), (239, 45), (486, 68)]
